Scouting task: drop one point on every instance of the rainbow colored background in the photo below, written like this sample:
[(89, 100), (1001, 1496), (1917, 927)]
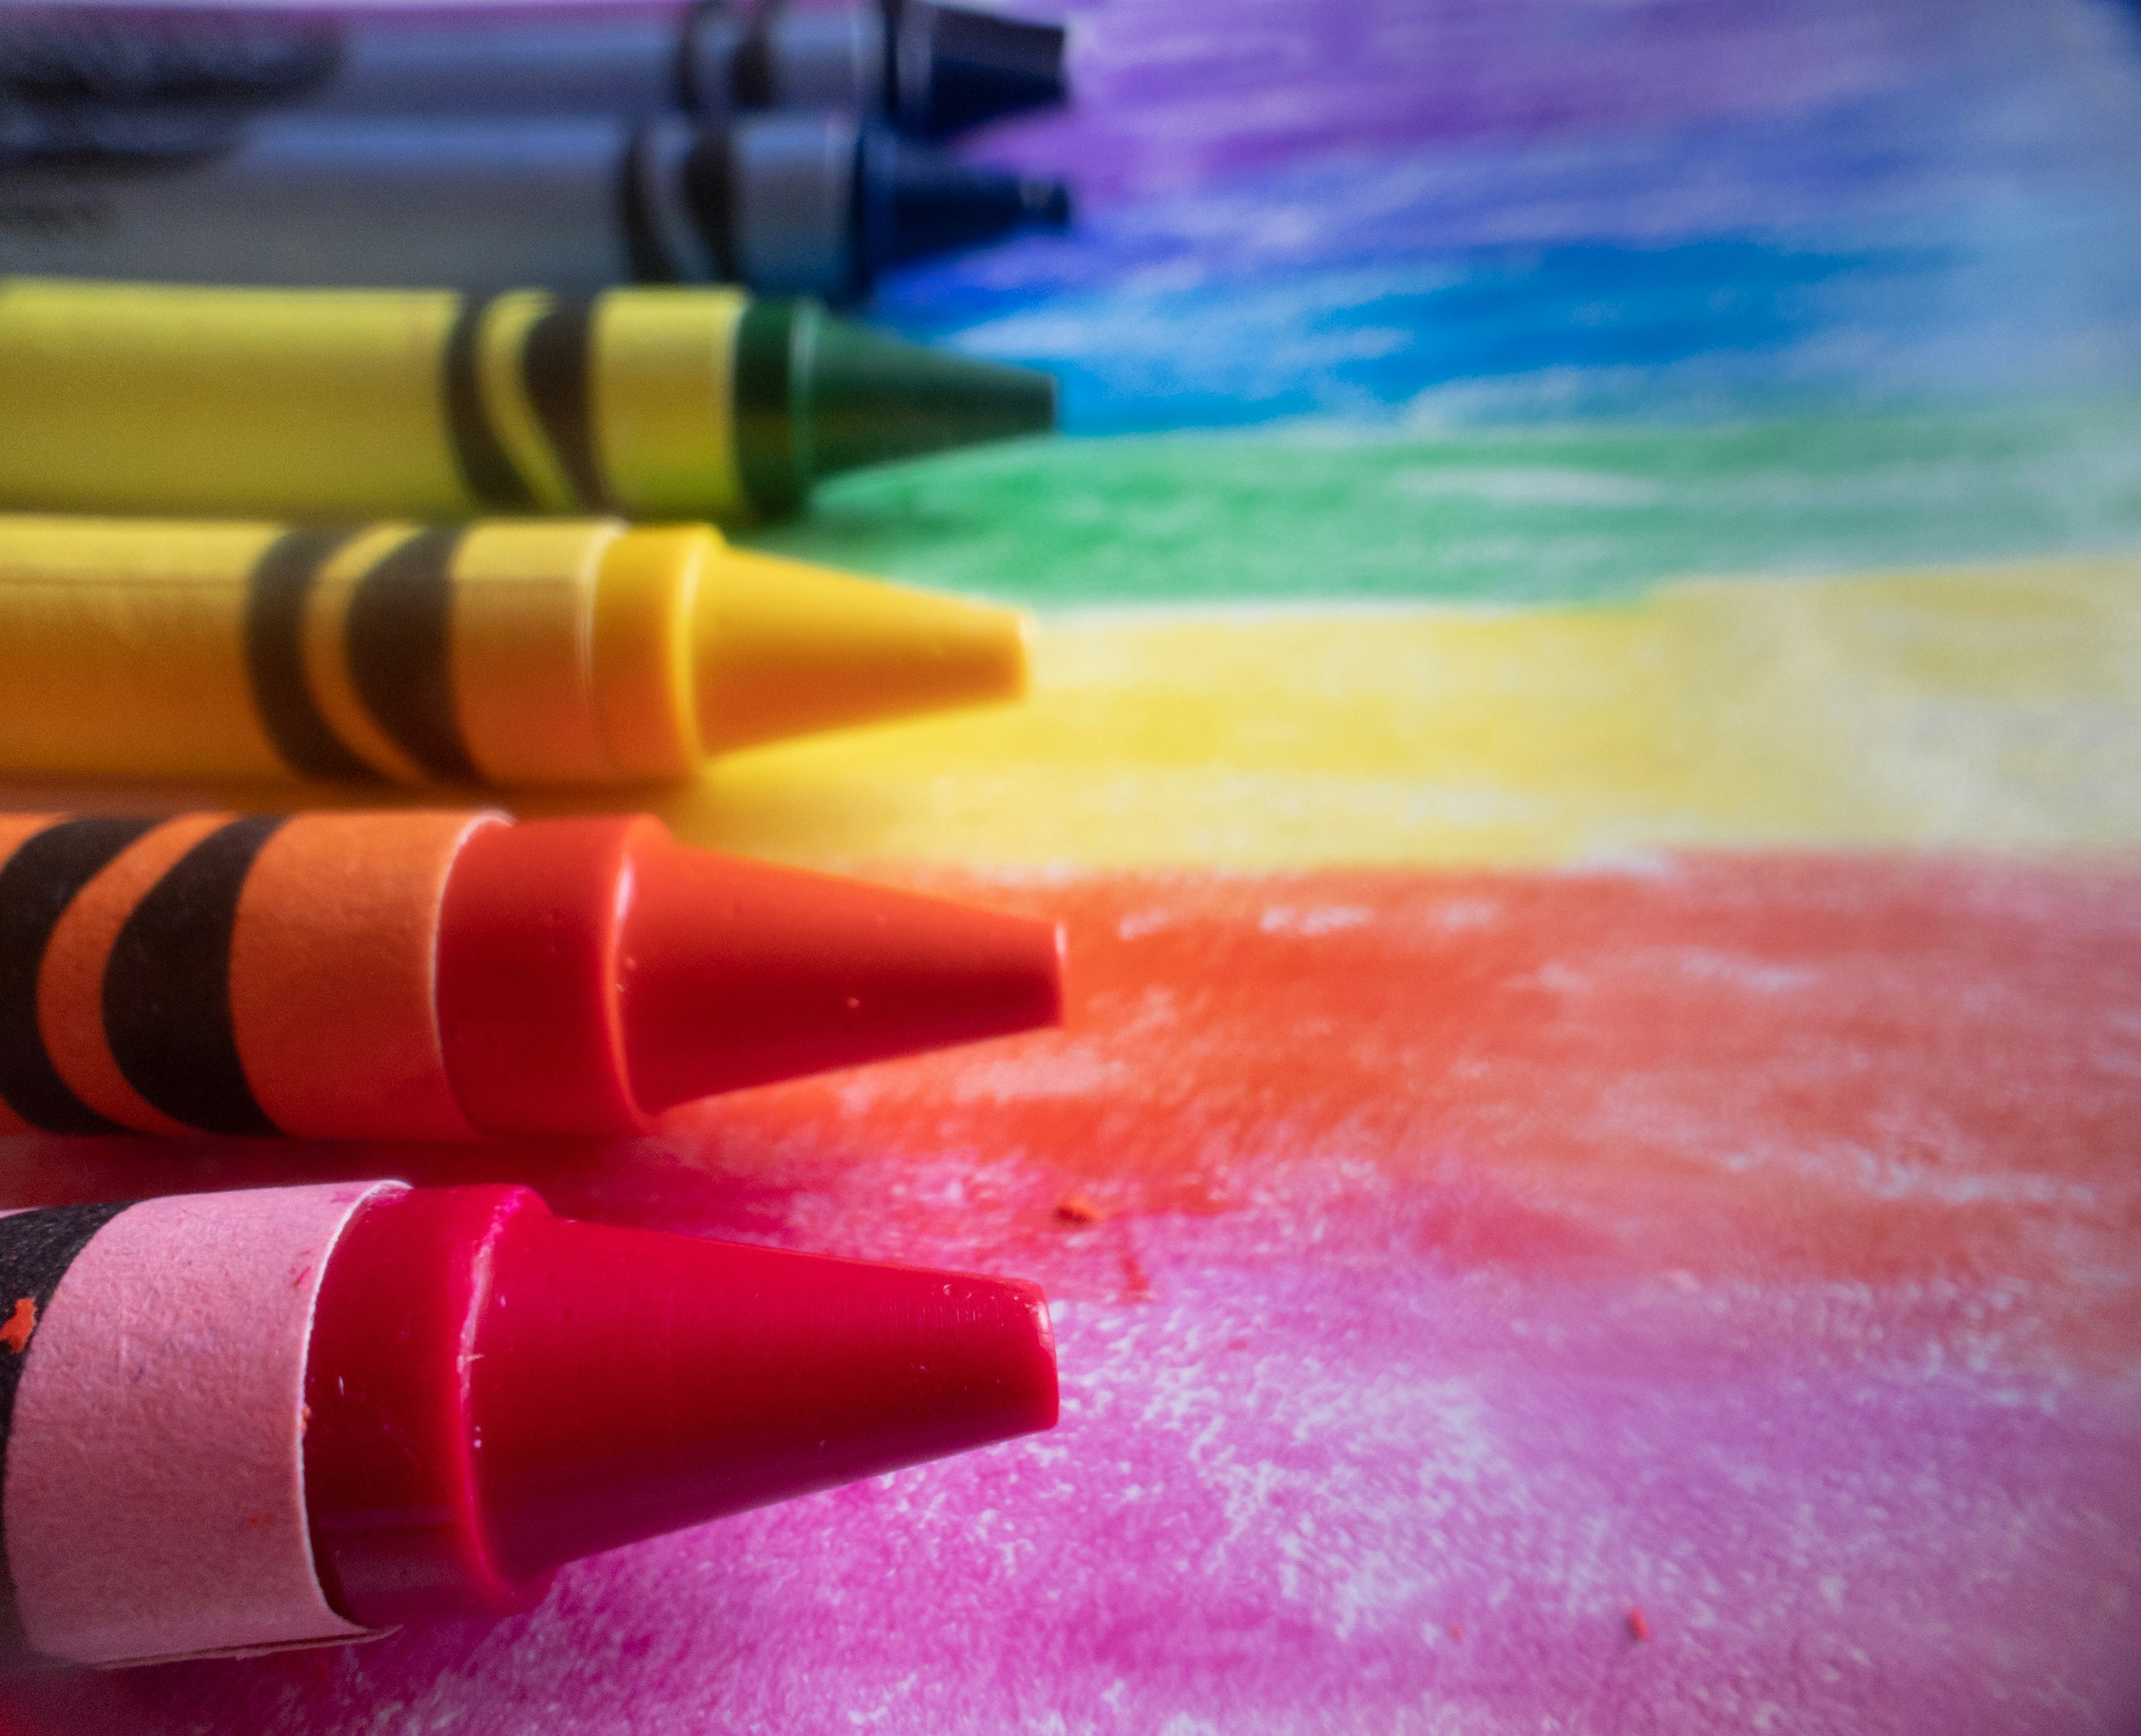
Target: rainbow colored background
[(1589, 739)]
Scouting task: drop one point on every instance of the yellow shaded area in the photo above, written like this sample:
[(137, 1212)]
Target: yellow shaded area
[(1998, 707)]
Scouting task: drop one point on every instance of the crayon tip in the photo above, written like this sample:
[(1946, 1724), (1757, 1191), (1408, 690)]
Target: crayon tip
[(733, 973), (1047, 204), (979, 65), (784, 648), (627, 1382), (866, 398), (920, 202)]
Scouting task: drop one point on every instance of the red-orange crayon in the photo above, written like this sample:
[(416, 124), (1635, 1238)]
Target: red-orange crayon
[(440, 975)]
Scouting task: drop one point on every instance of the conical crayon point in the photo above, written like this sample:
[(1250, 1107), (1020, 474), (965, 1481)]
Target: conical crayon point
[(980, 65), (1048, 204), (920, 202), (784, 648), (625, 1383), (733, 973), (866, 398)]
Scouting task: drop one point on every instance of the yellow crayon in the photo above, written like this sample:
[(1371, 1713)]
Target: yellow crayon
[(655, 403), (521, 653)]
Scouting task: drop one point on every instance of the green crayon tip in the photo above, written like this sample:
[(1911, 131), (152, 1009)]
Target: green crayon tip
[(816, 395)]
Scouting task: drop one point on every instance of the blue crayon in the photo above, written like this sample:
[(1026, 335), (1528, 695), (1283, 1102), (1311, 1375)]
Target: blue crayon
[(784, 203), (926, 69)]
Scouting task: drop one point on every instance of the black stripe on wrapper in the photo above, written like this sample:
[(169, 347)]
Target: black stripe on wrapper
[(642, 240), (397, 639), (281, 582), (750, 72), (555, 367), (710, 191), (167, 986), (486, 467), (37, 884), (36, 1250)]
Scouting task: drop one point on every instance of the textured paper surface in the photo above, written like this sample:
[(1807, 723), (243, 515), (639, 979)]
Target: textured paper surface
[(1641, 1240)]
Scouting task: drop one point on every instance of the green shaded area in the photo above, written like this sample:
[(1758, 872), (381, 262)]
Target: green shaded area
[(1507, 514)]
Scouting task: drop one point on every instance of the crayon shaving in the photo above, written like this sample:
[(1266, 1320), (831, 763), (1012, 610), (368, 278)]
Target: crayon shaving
[(20, 1324), (1076, 1210), (1638, 1629)]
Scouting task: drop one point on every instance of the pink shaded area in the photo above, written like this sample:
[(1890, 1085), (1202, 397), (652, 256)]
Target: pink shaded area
[(154, 1501), (1451, 1270)]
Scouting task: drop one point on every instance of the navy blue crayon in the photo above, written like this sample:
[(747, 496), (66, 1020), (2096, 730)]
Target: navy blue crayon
[(789, 203), (929, 69)]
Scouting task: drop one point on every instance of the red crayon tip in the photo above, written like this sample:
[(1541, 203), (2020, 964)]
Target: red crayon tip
[(709, 1377), (737, 972), (496, 1391), (593, 973)]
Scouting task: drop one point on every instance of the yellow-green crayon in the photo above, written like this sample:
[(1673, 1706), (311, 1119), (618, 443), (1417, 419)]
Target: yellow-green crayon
[(651, 403)]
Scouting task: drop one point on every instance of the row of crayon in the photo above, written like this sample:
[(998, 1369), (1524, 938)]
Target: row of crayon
[(444, 517), (683, 145)]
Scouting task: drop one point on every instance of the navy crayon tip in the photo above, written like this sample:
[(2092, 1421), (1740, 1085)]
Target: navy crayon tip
[(1047, 204), (918, 202), (980, 65)]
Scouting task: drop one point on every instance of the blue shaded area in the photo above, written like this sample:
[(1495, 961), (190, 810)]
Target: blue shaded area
[(1981, 236), (1369, 342)]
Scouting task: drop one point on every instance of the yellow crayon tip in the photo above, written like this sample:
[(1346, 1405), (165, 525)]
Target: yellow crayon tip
[(786, 648)]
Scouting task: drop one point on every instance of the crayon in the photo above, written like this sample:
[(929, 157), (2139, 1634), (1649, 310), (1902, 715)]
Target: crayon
[(664, 403), (786, 204), (559, 653), (293, 1416), (439, 976), (929, 70)]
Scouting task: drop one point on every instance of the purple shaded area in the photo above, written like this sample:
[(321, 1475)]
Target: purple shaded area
[(1172, 97)]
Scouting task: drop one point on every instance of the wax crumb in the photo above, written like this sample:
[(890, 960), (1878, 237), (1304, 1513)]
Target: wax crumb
[(1137, 1284), (1457, 1630), (1638, 1629), (1076, 1208), (20, 1324)]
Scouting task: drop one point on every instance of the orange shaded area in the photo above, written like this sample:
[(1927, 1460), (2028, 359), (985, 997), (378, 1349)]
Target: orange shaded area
[(1873, 1070)]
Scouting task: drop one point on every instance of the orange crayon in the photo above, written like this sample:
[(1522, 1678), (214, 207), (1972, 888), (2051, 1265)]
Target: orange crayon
[(436, 976)]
